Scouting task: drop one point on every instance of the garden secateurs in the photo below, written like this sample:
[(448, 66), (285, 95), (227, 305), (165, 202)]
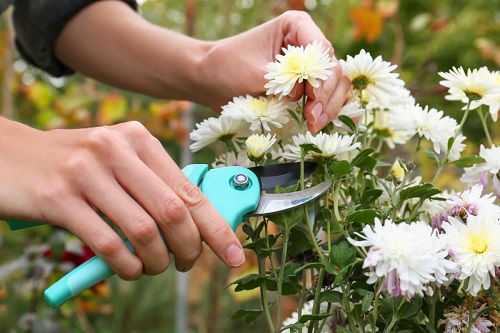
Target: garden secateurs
[(236, 192)]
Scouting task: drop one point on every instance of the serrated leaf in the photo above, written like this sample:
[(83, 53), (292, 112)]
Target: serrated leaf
[(307, 147), (248, 282), (369, 196), (341, 168), (363, 216), (298, 241), (367, 301), (423, 191), (330, 296), (343, 254)]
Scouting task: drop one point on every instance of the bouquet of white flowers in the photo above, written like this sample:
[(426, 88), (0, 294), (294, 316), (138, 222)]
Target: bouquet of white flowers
[(382, 251)]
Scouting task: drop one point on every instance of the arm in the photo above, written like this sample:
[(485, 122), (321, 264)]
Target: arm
[(126, 51)]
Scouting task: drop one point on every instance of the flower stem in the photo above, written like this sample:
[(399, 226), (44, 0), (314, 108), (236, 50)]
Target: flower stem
[(286, 234), (444, 162), (432, 308), (316, 300), (483, 118), (470, 321), (263, 297)]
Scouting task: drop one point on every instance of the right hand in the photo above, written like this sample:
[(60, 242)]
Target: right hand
[(64, 177)]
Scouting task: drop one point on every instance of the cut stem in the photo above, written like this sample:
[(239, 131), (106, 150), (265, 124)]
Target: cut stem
[(483, 118)]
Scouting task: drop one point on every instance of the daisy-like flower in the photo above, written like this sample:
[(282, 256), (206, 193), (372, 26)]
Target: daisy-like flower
[(213, 129), (493, 100), (428, 123), (435, 212), (351, 110), (258, 144), (487, 171), (373, 77), (261, 112), (297, 64), (330, 145), (406, 256), (475, 247), (238, 158), (476, 86), (472, 202)]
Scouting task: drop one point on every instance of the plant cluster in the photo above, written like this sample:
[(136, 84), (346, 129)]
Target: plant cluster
[(383, 250)]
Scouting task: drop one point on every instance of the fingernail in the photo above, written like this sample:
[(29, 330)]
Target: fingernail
[(316, 111), (235, 255)]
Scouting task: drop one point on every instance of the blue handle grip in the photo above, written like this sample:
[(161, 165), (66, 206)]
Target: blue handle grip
[(232, 202)]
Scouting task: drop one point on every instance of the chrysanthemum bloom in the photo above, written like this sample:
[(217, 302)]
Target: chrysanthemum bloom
[(472, 202), (457, 319), (298, 63), (426, 122), (307, 309), (330, 145), (475, 247), (476, 86), (260, 112), (238, 158), (373, 77), (406, 256), (435, 212), (258, 144), (487, 171), (493, 100), (213, 129)]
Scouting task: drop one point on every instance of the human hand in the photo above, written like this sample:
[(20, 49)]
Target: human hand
[(236, 66), (64, 176)]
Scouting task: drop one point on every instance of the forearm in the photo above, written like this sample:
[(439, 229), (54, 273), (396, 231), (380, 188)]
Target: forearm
[(111, 43)]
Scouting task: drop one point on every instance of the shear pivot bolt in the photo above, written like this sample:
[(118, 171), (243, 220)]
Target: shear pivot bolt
[(240, 181)]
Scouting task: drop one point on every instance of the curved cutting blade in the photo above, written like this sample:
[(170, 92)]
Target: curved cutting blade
[(274, 203), (284, 174)]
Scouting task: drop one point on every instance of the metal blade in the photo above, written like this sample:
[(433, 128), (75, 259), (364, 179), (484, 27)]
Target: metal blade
[(284, 174), (278, 202)]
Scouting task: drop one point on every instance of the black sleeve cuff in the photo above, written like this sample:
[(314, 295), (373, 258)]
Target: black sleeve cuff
[(38, 23)]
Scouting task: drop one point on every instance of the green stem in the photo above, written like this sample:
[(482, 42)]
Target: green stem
[(470, 321), (432, 309), (286, 234), (485, 125), (273, 267), (316, 300), (323, 322), (302, 294), (394, 318), (444, 162), (263, 297)]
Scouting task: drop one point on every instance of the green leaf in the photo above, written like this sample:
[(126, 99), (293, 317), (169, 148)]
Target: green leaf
[(342, 274), (468, 161), (431, 154), (248, 282), (341, 168), (424, 191), (294, 116), (298, 241), (363, 216), (343, 330), (314, 317), (330, 296), (451, 141), (248, 314), (307, 147), (348, 122), (329, 266), (409, 309), (364, 161), (343, 254), (369, 196), (367, 301)]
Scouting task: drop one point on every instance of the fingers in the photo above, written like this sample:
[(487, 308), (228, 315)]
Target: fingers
[(296, 93), (108, 196), (212, 227), (81, 220), (299, 29)]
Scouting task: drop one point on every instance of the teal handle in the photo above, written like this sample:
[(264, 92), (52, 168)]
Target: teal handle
[(232, 202)]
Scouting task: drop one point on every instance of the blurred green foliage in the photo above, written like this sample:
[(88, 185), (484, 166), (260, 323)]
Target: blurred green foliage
[(421, 36)]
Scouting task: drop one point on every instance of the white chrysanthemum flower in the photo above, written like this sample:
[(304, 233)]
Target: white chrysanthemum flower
[(330, 145), (476, 248), (382, 126), (261, 112), (307, 309), (351, 110), (493, 100), (213, 129), (428, 123), (372, 76), (476, 85), (482, 172), (298, 64), (435, 212), (472, 202), (406, 256), (238, 158), (258, 144)]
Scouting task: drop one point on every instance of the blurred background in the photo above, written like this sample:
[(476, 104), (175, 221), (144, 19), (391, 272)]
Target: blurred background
[(421, 36)]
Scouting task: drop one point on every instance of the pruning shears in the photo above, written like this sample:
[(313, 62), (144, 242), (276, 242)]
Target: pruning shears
[(236, 192)]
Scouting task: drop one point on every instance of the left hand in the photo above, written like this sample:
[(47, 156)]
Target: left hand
[(236, 66)]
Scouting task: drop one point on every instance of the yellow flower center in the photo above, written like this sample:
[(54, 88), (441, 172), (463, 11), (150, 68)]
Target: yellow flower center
[(294, 62), (258, 104), (478, 244), (360, 82)]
